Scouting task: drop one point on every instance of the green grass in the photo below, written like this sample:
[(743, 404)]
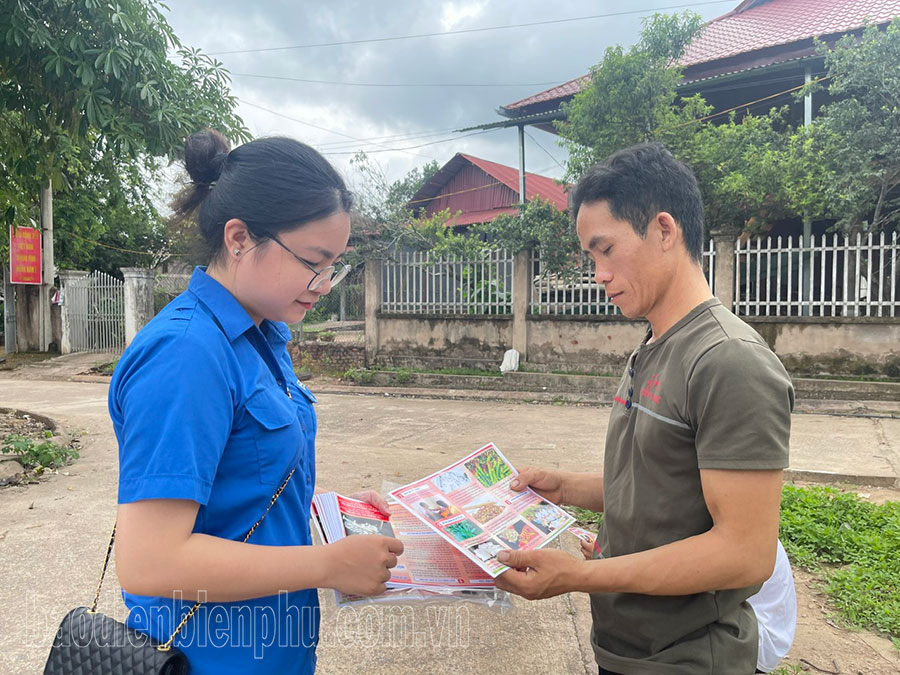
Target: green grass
[(852, 544)]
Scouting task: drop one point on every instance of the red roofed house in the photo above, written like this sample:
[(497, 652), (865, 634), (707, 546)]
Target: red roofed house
[(760, 48), (478, 191)]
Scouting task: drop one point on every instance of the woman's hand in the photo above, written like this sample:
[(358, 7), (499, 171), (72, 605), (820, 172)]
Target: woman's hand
[(373, 498), (360, 564)]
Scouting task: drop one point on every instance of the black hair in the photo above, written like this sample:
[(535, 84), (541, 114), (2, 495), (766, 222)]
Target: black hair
[(271, 184), (639, 182)]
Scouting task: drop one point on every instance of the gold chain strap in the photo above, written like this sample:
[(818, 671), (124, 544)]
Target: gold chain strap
[(112, 537)]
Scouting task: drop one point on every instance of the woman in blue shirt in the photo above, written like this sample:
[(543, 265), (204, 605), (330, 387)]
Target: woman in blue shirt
[(211, 419)]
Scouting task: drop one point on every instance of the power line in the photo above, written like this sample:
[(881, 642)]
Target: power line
[(399, 84), (421, 145), (470, 30), (330, 131), (546, 152)]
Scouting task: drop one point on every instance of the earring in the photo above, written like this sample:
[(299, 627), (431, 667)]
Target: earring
[(237, 251)]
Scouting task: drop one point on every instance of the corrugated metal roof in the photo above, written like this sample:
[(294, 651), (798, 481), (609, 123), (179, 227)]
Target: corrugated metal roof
[(535, 185), (756, 25), (482, 190)]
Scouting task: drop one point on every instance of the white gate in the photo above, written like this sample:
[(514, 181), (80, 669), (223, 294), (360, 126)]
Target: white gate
[(95, 309)]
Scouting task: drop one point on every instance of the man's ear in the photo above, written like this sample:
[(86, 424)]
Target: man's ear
[(670, 233)]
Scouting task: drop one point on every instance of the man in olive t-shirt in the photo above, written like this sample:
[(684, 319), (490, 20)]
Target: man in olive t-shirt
[(697, 440)]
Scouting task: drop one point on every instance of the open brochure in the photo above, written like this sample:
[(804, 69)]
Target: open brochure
[(471, 506), (427, 561)]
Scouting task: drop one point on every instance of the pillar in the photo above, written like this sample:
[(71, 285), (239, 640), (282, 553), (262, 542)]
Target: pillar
[(139, 282)]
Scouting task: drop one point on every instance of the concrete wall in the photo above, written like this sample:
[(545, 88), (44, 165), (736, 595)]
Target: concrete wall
[(595, 346), (835, 345), (415, 341), (602, 346)]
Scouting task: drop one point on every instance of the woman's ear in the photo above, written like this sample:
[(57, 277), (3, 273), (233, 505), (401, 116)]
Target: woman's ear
[(236, 237)]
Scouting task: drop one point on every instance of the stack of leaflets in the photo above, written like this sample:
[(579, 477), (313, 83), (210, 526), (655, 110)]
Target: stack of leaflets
[(427, 560), (452, 523)]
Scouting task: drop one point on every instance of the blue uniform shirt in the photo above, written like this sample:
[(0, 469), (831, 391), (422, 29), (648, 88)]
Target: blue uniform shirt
[(200, 406)]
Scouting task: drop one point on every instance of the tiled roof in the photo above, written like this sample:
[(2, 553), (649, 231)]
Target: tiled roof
[(569, 88), (758, 25), (755, 25)]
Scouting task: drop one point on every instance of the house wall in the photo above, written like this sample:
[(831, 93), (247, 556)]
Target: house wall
[(465, 196)]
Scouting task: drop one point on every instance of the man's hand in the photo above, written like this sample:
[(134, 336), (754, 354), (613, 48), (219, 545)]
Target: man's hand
[(548, 483), (538, 574), (587, 548), (373, 498)]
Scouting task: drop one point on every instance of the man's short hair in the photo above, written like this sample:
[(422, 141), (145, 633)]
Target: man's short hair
[(639, 182)]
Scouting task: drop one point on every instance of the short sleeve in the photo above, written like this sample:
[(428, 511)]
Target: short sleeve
[(740, 400), (172, 407)]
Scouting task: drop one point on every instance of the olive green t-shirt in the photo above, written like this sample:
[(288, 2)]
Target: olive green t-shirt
[(708, 394)]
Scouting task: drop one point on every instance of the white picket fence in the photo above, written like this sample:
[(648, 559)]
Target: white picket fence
[(416, 282), (95, 312), (576, 292), (836, 275)]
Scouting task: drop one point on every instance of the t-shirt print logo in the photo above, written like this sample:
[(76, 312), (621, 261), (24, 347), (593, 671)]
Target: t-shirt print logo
[(650, 389)]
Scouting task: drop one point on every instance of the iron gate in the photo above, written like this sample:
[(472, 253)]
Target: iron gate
[(95, 309)]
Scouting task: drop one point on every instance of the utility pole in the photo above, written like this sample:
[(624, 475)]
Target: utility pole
[(45, 329)]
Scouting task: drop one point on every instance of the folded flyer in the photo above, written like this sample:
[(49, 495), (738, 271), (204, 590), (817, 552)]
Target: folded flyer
[(471, 506)]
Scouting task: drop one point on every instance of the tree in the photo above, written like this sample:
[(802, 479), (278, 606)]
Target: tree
[(631, 96), (741, 163), (855, 142), (86, 74)]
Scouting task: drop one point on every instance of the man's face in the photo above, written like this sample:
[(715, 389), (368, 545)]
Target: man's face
[(628, 266)]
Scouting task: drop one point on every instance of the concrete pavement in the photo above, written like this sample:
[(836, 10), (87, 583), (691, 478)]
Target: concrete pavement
[(53, 534)]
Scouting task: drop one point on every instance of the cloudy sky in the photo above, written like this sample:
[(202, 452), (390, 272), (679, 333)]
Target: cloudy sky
[(340, 117)]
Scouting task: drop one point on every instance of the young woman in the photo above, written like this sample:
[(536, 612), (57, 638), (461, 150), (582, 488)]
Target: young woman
[(211, 420)]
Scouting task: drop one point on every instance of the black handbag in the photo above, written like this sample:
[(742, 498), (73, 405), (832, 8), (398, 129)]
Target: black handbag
[(91, 643)]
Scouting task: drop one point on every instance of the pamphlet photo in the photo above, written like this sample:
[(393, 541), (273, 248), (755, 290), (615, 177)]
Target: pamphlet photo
[(451, 480), (546, 517), (488, 468), (436, 509)]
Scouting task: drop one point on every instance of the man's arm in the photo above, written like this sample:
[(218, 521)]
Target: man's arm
[(738, 551)]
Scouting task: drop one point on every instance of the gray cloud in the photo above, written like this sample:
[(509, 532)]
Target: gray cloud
[(548, 53)]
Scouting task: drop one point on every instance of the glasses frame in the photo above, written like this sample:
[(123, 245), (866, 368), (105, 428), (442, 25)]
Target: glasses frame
[(335, 273)]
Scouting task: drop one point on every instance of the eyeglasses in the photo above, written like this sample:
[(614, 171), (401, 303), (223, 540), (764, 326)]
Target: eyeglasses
[(333, 273)]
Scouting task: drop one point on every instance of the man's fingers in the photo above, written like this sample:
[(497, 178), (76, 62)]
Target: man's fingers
[(516, 559), (527, 476)]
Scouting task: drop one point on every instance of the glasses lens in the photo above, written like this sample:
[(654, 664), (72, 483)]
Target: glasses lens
[(339, 274)]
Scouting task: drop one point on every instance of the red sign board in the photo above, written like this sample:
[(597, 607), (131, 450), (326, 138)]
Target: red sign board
[(25, 255)]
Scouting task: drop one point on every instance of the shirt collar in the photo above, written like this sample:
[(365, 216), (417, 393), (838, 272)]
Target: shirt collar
[(232, 317)]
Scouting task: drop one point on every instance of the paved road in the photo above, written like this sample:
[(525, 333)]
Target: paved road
[(53, 534)]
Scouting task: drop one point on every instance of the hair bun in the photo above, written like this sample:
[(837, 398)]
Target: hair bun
[(204, 156)]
